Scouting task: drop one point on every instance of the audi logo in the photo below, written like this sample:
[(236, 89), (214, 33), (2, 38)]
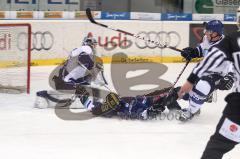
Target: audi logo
[(171, 38), (40, 41)]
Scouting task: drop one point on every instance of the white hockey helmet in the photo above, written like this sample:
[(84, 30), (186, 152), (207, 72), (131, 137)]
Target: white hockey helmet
[(238, 17)]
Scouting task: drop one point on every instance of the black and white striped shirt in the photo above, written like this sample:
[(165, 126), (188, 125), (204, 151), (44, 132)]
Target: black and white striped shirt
[(220, 60)]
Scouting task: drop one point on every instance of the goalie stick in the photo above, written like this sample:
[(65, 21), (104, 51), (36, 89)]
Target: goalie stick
[(90, 17)]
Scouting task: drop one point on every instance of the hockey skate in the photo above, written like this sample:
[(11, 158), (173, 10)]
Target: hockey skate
[(186, 115)]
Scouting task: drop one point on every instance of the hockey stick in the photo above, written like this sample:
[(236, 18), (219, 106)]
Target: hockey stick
[(175, 82), (166, 101), (90, 17), (180, 74)]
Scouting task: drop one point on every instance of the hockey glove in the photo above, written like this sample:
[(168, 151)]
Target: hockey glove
[(171, 97), (226, 82), (188, 53)]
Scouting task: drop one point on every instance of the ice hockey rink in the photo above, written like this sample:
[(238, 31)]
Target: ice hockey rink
[(30, 133)]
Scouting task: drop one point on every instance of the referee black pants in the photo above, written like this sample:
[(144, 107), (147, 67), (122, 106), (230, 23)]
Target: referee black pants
[(219, 144)]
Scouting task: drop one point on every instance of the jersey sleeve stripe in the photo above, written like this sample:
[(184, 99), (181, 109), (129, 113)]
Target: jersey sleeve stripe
[(214, 62), (224, 59), (202, 64)]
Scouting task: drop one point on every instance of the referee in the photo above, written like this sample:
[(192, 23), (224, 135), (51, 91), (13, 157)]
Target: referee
[(227, 133)]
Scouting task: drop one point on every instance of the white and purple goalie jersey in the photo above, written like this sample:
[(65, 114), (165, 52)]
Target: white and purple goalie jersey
[(78, 65)]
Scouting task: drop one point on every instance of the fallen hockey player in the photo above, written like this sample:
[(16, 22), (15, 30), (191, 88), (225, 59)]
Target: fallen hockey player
[(143, 106), (140, 107)]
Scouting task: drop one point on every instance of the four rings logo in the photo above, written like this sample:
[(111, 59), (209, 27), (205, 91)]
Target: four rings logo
[(171, 38), (45, 40), (40, 41)]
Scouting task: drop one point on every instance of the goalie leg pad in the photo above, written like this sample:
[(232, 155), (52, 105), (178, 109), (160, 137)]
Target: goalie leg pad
[(52, 100), (41, 102), (45, 94)]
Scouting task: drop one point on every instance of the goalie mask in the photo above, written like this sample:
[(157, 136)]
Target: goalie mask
[(238, 18), (90, 42)]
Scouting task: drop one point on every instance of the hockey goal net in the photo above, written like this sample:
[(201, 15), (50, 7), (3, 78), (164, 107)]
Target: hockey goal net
[(15, 49)]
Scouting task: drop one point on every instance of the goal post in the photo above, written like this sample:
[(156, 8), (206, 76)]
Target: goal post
[(15, 57)]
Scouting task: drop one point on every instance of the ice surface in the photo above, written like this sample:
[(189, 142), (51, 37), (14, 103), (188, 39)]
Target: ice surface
[(30, 133)]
